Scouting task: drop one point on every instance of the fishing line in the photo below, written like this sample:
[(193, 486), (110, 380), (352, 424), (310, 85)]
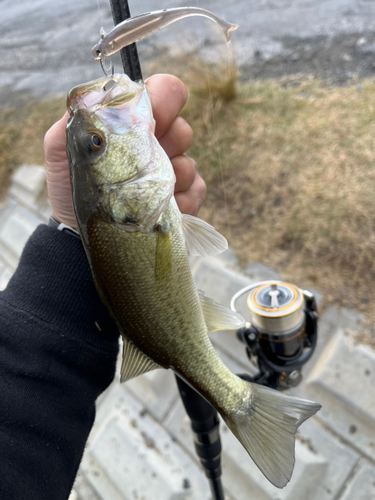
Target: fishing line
[(100, 15), (218, 150)]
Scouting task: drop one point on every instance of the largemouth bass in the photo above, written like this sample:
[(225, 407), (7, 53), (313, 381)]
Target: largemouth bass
[(137, 243)]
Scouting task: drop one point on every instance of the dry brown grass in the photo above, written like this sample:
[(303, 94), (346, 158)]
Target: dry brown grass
[(296, 167), (22, 133)]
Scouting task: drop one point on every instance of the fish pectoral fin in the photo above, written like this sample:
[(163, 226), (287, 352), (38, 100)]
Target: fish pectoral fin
[(134, 363), (163, 263), (218, 317), (202, 239)]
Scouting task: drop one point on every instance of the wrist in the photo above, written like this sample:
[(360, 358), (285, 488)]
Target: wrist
[(67, 218), (60, 226)]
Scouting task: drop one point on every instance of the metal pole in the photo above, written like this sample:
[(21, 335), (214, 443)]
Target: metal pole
[(129, 55)]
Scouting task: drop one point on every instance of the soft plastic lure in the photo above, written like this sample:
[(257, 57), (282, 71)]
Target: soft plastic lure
[(139, 27)]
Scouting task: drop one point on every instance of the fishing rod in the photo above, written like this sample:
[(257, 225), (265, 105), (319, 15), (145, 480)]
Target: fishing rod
[(204, 419), (129, 55)]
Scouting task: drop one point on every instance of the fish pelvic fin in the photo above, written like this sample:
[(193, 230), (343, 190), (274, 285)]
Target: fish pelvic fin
[(134, 363), (266, 427)]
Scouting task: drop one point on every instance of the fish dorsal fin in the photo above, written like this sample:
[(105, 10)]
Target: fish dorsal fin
[(134, 363), (202, 239), (218, 317)]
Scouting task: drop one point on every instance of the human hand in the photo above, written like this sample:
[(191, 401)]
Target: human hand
[(168, 96)]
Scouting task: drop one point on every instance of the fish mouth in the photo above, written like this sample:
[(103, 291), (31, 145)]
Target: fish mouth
[(119, 103), (110, 91)]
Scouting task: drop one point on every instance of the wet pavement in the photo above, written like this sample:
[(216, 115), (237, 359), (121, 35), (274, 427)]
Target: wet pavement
[(45, 46)]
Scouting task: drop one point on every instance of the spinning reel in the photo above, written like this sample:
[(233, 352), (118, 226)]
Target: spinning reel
[(282, 333)]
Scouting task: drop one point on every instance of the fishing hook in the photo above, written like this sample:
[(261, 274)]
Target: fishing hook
[(110, 69)]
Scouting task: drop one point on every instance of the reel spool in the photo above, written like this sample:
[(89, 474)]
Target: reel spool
[(282, 333)]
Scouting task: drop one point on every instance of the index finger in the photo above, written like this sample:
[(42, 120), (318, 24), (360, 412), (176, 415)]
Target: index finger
[(168, 96)]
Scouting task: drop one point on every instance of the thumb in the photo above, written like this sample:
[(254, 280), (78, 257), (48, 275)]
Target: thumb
[(54, 142)]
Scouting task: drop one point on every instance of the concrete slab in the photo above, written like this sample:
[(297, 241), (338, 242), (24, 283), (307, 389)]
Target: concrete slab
[(323, 464), (5, 275), (246, 481), (334, 318), (82, 489), (45, 212), (73, 495), (340, 459), (322, 467), (157, 390), (129, 455), (28, 183), (6, 207), (218, 282), (362, 486), (229, 260), (260, 272), (343, 381), (14, 233), (241, 476)]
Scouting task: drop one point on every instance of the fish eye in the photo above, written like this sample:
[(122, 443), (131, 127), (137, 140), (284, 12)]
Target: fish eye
[(96, 140), (93, 141)]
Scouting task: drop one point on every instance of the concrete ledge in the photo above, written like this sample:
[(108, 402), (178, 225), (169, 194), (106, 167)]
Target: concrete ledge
[(343, 381), (14, 233), (130, 455), (362, 486)]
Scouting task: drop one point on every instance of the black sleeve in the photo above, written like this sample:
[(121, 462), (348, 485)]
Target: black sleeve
[(58, 350)]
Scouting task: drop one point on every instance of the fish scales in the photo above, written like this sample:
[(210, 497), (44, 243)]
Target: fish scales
[(137, 243), (170, 309)]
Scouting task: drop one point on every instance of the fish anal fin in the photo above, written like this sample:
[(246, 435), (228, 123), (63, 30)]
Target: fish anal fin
[(202, 239), (218, 317), (134, 363)]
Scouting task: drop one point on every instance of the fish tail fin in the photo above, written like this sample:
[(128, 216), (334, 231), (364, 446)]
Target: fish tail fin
[(266, 427), (228, 31)]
